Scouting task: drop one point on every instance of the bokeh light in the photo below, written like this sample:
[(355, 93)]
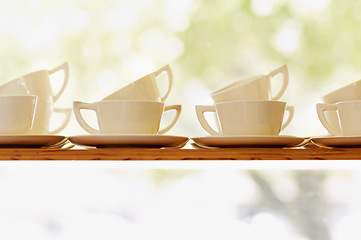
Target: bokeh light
[(208, 44)]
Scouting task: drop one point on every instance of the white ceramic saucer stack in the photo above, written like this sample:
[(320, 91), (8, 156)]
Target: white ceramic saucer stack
[(131, 116), (248, 114)]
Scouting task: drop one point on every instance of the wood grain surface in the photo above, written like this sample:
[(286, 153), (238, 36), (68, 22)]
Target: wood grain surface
[(135, 154)]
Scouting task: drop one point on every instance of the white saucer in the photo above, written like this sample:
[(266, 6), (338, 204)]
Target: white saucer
[(250, 141), (337, 141), (30, 141), (146, 141)]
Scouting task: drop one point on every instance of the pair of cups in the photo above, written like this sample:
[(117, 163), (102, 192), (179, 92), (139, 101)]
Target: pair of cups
[(27, 103), (134, 109), (340, 112), (248, 107)]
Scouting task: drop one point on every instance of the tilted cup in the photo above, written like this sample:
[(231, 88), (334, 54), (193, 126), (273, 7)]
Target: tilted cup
[(349, 115), (145, 88), (37, 83), (247, 117), (253, 88), (43, 117), (349, 92), (126, 116), (17, 113)]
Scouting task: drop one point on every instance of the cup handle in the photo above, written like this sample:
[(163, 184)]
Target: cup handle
[(200, 110), (178, 108), (166, 69), (77, 106), (284, 71), (67, 112), (321, 108), (291, 112), (64, 67)]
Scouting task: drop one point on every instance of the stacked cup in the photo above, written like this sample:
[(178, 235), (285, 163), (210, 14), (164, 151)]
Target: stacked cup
[(17, 113), (248, 107), (340, 112), (134, 109), (31, 99)]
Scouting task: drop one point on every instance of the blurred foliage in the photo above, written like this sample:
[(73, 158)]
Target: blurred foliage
[(110, 43), (216, 39), (232, 39), (208, 44)]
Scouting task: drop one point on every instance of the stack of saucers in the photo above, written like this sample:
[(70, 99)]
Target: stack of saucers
[(248, 114), (131, 116)]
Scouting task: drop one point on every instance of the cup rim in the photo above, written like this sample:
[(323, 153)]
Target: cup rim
[(254, 101), (33, 72), (341, 89), (127, 101), (18, 95), (150, 75), (347, 102), (22, 77), (237, 83)]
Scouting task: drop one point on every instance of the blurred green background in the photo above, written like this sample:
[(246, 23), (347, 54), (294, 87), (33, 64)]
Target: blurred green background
[(208, 44)]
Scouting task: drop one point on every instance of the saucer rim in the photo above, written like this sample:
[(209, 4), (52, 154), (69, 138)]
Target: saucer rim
[(128, 140), (30, 140), (337, 141), (250, 141)]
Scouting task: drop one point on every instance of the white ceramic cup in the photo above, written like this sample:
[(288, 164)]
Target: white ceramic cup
[(126, 116), (145, 88), (17, 113), (349, 115), (349, 92), (253, 88), (43, 115), (247, 117), (37, 83)]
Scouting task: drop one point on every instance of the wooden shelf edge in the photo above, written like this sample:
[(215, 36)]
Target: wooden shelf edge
[(144, 154)]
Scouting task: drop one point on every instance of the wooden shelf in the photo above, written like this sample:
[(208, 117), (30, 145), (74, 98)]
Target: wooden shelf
[(134, 154)]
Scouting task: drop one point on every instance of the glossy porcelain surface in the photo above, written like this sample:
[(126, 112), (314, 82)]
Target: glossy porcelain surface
[(349, 115), (43, 116), (37, 83), (247, 117), (253, 88), (126, 116), (17, 113), (145, 88)]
